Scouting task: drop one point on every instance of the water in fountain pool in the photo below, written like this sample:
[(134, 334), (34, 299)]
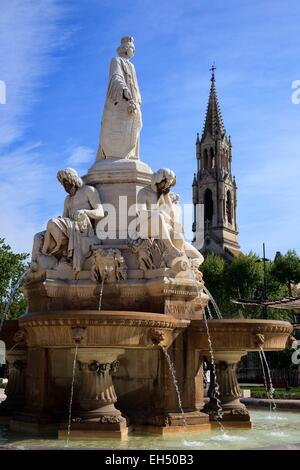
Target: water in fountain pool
[(281, 429)]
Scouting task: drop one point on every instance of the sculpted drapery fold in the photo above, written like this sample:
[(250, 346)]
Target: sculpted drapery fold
[(122, 120)]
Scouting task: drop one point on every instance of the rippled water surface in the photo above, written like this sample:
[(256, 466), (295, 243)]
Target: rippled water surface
[(277, 428)]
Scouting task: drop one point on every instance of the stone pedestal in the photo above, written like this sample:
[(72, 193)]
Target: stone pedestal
[(94, 413), (234, 412), (118, 183)]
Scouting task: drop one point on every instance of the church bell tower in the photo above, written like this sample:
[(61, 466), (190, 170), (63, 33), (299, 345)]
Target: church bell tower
[(214, 187)]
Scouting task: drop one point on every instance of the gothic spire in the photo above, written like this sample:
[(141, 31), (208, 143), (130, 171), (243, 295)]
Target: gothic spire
[(213, 121)]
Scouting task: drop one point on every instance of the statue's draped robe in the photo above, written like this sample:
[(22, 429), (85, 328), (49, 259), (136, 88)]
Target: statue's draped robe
[(74, 232), (120, 130)]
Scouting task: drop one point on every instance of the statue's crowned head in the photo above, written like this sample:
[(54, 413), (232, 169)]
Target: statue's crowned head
[(126, 48), (162, 180), (70, 180)]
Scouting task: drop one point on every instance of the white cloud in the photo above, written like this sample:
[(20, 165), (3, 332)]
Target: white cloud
[(25, 184), (2, 92), (28, 33), (80, 155)]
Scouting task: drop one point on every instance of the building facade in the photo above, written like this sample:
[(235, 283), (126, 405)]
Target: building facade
[(214, 187)]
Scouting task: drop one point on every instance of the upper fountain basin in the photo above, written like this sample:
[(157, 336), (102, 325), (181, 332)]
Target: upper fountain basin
[(236, 335), (94, 328)]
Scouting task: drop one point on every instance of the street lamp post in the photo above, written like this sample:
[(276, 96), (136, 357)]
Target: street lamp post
[(265, 288)]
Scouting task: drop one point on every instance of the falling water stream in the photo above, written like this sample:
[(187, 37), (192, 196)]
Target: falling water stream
[(101, 290), (12, 295), (216, 393), (175, 383), (14, 346), (267, 379), (71, 395), (215, 305), (209, 312)]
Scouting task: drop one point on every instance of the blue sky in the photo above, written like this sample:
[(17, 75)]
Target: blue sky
[(54, 60)]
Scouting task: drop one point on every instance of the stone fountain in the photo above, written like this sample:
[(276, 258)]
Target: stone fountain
[(112, 282)]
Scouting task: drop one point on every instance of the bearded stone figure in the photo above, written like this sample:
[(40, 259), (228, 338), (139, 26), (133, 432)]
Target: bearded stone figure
[(65, 234), (122, 120)]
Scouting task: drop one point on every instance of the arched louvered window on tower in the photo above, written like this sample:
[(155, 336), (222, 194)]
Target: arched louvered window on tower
[(229, 206), (208, 206), (226, 161), (211, 158), (205, 159)]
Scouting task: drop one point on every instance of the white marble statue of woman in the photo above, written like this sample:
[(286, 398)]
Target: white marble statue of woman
[(122, 120)]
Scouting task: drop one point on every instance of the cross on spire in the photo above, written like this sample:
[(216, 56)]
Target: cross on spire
[(212, 70), (213, 120)]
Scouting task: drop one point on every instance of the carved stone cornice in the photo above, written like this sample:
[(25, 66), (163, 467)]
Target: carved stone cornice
[(249, 326), (102, 328), (241, 335), (108, 322), (130, 295)]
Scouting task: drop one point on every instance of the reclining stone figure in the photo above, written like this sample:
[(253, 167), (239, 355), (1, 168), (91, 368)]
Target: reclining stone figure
[(159, 217), (65, 234)]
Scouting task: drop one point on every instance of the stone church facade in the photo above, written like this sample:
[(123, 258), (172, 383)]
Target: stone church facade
[(214, 186)]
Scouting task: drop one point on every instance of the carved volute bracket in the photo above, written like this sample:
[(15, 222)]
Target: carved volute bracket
[(259, 340)]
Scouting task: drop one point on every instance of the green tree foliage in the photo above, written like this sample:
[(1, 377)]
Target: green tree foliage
[(213, 273), (286, 269), (243, 278), (12, 266)]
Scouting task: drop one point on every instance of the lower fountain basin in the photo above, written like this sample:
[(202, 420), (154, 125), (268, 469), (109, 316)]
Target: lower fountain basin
[(78, 350), (100, 329), (242, 335)]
